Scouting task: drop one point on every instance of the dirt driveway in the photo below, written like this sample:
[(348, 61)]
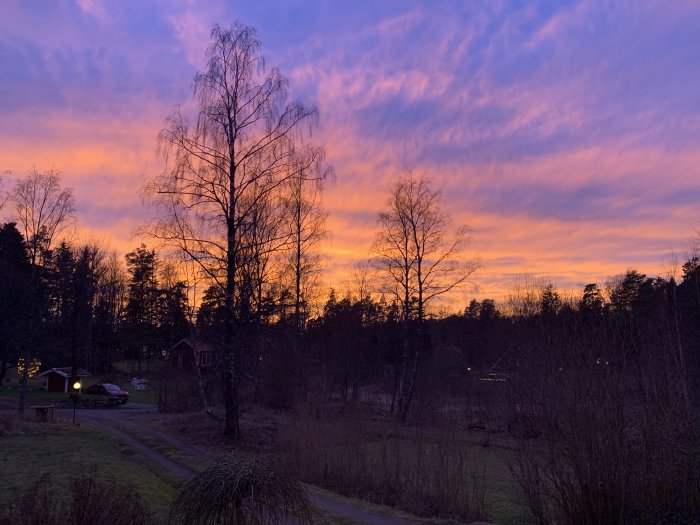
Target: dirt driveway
[(132, 424)]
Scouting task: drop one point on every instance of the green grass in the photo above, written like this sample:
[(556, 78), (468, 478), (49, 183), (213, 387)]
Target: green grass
[(169, 451), (35, 395), (66, 452), (504, 498)]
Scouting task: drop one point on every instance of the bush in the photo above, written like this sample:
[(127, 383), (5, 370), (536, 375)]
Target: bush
[(178, 391), (618, 442), (241, 491), (87, 502)]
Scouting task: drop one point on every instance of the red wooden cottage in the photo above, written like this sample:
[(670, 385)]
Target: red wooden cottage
[(188, 353), (61, 380)]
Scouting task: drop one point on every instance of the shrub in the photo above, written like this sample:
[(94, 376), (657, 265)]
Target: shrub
[(95, 502), (177, 391), (88, 502), (241, 491), (618, 442)]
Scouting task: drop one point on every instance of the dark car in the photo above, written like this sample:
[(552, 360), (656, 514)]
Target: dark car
[(108, 389)]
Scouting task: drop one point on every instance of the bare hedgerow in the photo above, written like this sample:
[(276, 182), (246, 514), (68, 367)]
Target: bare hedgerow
[(605, 433), (427, 472), (241, 491), (88, 501)]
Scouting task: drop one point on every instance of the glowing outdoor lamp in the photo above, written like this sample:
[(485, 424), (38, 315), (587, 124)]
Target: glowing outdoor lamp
[(76, 388)]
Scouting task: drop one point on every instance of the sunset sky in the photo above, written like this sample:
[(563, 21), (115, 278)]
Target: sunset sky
[(566, 134)]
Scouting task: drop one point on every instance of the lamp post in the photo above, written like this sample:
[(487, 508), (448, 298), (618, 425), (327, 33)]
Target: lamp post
[(76, 389)]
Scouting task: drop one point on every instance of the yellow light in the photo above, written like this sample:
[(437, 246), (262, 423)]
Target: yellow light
[(34, 366), (76, 385)]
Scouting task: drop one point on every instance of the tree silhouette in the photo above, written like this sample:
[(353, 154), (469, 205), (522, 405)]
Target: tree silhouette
[(143, 304), (43, 209), (14, 294), (224, 172), (419, 254)]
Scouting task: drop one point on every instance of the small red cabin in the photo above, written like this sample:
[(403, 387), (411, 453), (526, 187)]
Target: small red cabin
[(61, 380), (187, 353)]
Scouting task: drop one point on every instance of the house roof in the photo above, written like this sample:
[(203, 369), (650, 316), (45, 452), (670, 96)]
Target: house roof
[(197, 346), (65, 371)]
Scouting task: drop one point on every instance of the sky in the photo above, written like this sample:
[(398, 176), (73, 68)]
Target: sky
[(565, 134)]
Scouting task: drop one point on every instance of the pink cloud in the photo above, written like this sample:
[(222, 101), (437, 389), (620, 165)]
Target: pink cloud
[(572, 158)]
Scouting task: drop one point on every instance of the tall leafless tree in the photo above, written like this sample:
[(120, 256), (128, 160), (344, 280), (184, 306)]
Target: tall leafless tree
[(221, 169), (43, 210), (419, 254)]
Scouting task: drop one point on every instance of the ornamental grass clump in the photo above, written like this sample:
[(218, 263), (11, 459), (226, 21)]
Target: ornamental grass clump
[(241, 491)]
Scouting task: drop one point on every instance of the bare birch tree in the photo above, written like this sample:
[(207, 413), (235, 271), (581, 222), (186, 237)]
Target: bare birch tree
[(306, 228), (221, 169), (420, 255), (43, 210)]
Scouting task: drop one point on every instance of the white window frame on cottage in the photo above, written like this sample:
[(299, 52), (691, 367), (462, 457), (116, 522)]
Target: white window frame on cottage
[(205, 359)]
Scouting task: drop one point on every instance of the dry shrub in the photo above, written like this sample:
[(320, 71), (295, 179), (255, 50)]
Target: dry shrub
[(618, 442), (38, 504), (88, 502), (241, 491), (178, 391), (95, 502), (425, 473)]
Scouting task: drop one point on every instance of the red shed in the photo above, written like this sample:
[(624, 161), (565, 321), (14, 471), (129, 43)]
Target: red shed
[(60, 379), (187, 353)]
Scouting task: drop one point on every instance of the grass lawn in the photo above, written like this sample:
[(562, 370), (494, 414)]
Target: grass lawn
[(66, 452), (504, 499)]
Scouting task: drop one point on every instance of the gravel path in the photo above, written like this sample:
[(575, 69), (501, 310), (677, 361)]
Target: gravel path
[(126, 418)]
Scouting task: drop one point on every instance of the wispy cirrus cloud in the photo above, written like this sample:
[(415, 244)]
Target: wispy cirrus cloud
[(565, 133)]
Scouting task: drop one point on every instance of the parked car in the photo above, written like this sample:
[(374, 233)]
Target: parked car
[(108, 389)]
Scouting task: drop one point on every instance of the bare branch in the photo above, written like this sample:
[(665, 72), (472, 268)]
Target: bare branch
[(43, 209)]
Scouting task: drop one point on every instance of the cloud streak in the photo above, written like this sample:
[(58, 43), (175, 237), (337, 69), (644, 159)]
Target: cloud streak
[(566, 135)]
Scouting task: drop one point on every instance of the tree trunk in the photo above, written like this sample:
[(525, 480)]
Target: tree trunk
[(231, 349), (394, 393), (24, 387), (3, 370), (420, 344)]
